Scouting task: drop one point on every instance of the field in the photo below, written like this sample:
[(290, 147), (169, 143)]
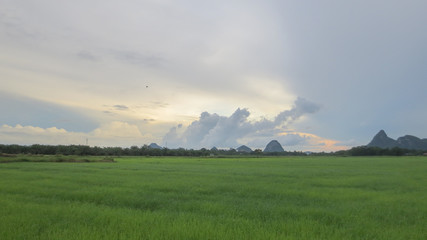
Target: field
[(216, 198)]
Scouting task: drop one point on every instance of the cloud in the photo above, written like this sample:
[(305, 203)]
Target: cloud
[(32, 135), (137, 58), (300, 108), (214, 130), (86, 55), (26, 111), (363, 61), (311, 142), (117, 129), (125, 134), (120, 107), (114, 133)]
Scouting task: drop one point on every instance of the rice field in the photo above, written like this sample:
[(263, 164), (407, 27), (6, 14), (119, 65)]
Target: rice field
[(216, 198)]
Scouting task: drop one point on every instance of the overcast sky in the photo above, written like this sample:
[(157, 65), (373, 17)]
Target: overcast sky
[(315, 75)]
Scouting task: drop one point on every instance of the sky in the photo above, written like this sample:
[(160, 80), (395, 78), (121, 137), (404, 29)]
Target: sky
[(314, 75)]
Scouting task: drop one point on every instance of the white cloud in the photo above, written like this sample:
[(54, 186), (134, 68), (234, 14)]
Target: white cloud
[(214, 130), (117, 130), (208, 131), (32, 135), (110, 134)]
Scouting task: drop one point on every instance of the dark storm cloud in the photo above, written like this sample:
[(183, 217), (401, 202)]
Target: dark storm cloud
[(361, 60), (301, 107)]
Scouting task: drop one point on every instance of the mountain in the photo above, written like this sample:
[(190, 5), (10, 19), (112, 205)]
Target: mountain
[(274, 146), (154, 145), (244, 149), (381, 140), (412, 142)]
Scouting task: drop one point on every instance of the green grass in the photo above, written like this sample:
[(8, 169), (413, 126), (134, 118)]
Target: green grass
[(9, 158), (209, 198)]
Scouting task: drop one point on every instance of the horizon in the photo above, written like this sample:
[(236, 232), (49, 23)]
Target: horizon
[(155, 145), (316, 77)]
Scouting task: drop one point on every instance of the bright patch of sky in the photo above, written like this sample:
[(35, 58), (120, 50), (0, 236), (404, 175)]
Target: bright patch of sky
[(135, 72)]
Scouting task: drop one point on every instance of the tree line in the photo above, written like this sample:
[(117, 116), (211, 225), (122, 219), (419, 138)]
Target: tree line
[(84, 150), (376, 151)]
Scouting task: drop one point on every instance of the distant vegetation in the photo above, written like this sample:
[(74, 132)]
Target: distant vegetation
[(82, 150), (11, 158), (377, 151)]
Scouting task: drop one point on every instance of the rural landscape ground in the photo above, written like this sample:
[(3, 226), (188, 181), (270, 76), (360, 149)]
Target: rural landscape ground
[(214, 198)]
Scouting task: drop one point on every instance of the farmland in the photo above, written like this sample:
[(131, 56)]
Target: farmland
[(215, 198)]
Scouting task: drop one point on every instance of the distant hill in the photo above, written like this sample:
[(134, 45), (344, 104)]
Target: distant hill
[(274, 146), (412, 142), (244, 149), (381, 140), (154, 145)]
